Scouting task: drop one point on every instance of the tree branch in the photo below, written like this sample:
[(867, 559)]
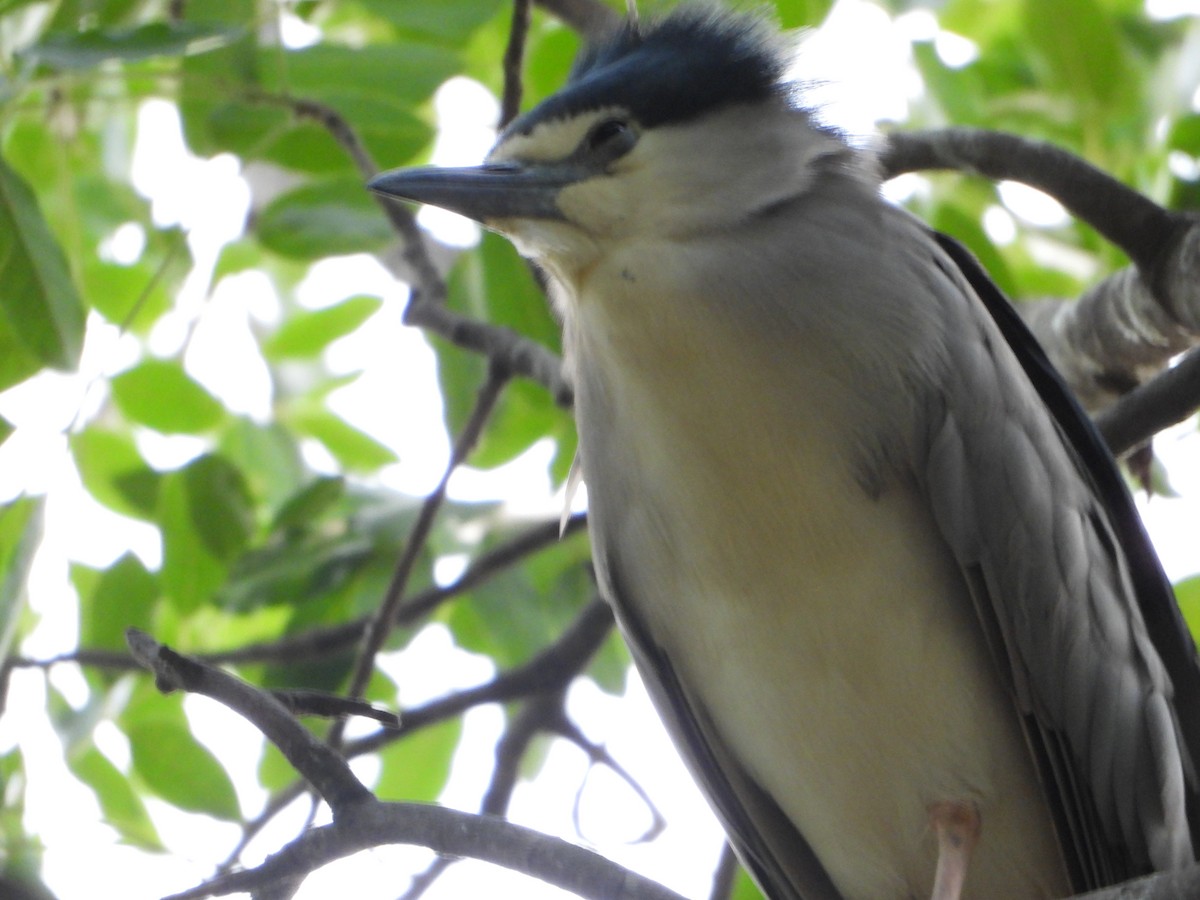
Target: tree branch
[(449, 832), (384, 621), (1124, 329), (320, 765), (514, 54), (361, 822), (1135, 223), (1161, 402), (550, 670)]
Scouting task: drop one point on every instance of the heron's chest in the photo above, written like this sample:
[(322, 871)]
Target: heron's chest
[(809, 605)]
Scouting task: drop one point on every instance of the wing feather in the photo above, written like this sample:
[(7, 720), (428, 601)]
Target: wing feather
[(1098, 653)]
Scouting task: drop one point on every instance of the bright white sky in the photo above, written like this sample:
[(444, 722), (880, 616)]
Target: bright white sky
[(870, 82)]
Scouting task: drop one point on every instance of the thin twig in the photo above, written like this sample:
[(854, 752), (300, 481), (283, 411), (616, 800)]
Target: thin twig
[(514, 54), (384, 621), (514, 351), (320, 642), (423, 881), (427, 301), (534, 718), (551, 669), (599, 756), (488, 564)]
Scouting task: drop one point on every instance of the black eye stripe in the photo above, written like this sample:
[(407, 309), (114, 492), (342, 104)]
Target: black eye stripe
[(606, 131), (607, 140)]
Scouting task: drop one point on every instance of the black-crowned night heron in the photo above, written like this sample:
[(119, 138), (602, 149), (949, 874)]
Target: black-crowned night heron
[(880, 576)]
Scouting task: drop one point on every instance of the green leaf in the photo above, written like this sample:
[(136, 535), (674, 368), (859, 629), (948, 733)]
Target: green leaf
[(965, 227), (135, 296), (548, 60), (406, 71), (1187, 594), (210, 79), (6, 429), (274, 771), (20, 535), (493, 283), (957, 91), (16, 363), (416, 768), (122, 807), (521, 610), (310, 503), (88, 48), (1185, 134), (302, 568), (114, 472), (268, 457), (159, 394), (610, 666), (40, 308), (236, 257), (114, 599), (306, 334), (173, 764), (452, 21), (353, 449), (744, 887), (1078, 43), (334, 216), (206, 517), (795, 13)]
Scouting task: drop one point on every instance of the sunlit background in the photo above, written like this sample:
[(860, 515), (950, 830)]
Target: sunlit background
[(860, 72)]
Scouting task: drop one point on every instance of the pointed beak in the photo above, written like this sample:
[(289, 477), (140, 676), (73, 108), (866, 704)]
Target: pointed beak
[(507, 190)]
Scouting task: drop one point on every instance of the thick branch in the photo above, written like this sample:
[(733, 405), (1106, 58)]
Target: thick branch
[(1136, 224), (361, 822), (449, 832), (550, 670), (1165, 400), (1127, 327), (1114, 337)]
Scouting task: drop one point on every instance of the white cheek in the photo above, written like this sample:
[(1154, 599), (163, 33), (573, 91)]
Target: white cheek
[(604, 207), (559, 246), (522, 234)]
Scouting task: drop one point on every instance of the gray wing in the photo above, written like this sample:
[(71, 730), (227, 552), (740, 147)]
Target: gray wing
[(1077, 610)]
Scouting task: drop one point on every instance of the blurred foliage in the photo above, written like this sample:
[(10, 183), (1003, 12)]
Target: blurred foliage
[(258, 542)]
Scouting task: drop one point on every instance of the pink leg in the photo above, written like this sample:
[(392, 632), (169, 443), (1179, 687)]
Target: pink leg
[(957, 826)]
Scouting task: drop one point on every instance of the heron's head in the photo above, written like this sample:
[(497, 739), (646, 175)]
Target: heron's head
[(685, 127)]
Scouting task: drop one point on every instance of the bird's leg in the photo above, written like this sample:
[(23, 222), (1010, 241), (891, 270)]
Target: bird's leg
[(957, 826)]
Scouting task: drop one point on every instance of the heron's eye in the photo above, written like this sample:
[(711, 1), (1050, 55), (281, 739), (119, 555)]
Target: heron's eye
[(611, 138)]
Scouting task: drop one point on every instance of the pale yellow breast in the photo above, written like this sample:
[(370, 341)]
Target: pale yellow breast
[(829, 632)]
